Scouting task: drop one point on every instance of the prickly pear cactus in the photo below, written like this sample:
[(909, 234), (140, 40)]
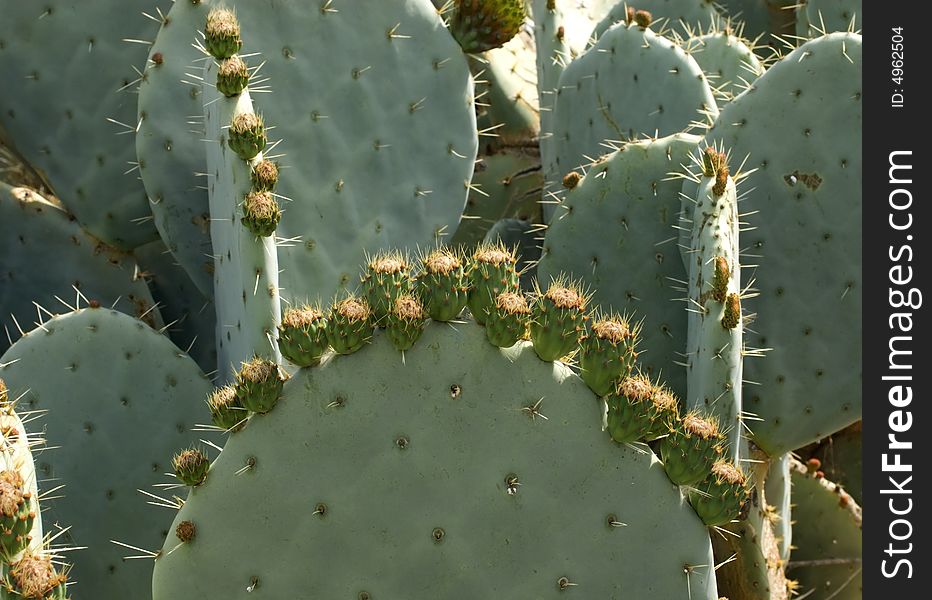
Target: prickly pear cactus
[(818, 17), (728, 61), (104, 377), (631, 83), (715, 340), (76, 66), (384, 132), (45, 256), (826, 560), (245, 212), (679, 17), (425, 469), (633, 265), (807, 184)]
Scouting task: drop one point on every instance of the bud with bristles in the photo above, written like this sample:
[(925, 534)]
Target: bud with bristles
[(246, 135), (226, 410), (222, 34), (571, 180), (492, 271), (264, 176), (718, 499), (261, 213), (406, 321), (302, 335), (643, 19), (232, 77), (732, 315), (607, 353), (443, 284), (350, 325), (186, 531), (33, 577), (557, 318), (191, 467), (720, 281), (640, 411), (693, 446), (480, 25), (17, 514), (386, 279), (259, 384), (507, 320)]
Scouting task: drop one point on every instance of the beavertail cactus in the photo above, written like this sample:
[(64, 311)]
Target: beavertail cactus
[(460, 453)]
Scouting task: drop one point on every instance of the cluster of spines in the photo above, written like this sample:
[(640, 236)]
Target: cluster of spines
[(246, 134)]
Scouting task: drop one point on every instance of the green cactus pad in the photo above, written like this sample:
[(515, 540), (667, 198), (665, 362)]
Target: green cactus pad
[(103, 378), (640, 411), (32, 576), (719, 497), (506, 81), (606, 352), (561, 33), (480, 25), (616, 232), (715, 339), (492, 271), (351, 325), (691, 448), (728, 61), (818, 17), (507, 319), (678, 17), (384, 132), (807, 239), (405, 324), (439, 475), (243, 221), (44, 252), (631, 83), (259, 385), (557, 319), (443, 285), (827, 547), (65, 69), (302, 335)]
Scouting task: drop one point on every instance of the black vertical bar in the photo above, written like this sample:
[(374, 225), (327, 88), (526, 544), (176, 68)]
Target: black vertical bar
[(896, 235)]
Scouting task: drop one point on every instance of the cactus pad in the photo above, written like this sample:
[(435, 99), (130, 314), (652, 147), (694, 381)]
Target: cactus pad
[(457, 432)]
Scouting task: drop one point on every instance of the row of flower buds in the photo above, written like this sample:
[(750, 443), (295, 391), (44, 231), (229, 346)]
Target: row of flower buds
[(246, 135)]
